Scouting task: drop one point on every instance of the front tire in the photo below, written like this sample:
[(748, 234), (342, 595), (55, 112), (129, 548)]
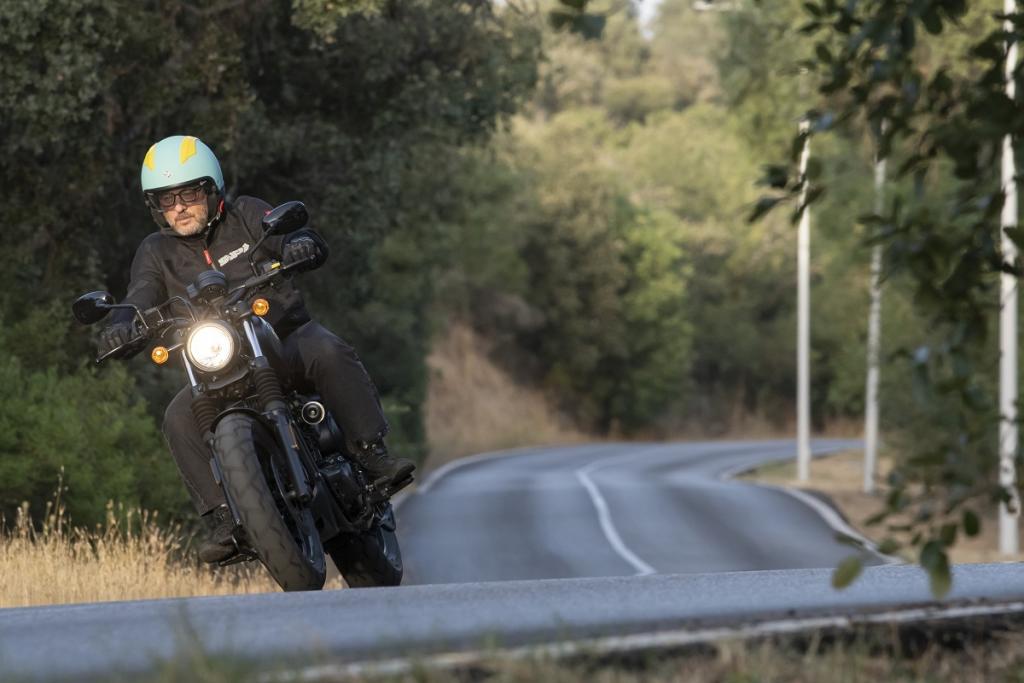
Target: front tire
[(283, 534), (369, 559)]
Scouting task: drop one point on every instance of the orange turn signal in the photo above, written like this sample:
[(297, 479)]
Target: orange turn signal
[(160, 355), (260, 307)]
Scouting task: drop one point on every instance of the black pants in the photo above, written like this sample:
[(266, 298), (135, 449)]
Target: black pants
[(319, 361)]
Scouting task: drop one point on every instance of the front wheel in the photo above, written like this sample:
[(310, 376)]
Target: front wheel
[(255, 479), (371, 558)]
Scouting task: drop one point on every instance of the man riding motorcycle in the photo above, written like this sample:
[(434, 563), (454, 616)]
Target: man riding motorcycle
[(200, 230)]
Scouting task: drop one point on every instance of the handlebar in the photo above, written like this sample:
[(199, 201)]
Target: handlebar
[(146, 331)]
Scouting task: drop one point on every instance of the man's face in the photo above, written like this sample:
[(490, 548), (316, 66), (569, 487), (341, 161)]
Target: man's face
[(185, 217)]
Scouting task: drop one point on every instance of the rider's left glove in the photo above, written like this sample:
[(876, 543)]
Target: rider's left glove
[(300, 249), (114, 336)]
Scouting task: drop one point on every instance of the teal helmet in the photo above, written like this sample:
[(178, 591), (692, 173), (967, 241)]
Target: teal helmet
[(178, 161)]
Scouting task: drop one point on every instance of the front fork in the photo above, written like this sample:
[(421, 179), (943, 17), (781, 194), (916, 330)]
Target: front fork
[(275, 410)]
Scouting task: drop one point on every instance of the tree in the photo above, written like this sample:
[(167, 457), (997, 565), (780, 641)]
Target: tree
[(945, 114), (357, 107)]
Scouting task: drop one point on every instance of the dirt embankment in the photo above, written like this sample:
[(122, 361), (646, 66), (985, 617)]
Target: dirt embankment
[(474, 406)]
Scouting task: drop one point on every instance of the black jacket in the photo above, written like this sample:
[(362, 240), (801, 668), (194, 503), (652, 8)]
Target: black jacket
[(166, 263)]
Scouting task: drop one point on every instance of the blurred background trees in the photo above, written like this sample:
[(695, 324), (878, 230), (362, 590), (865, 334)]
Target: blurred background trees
[(580, 203)]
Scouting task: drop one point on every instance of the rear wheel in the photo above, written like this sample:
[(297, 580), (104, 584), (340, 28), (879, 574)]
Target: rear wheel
[(371, 558), (255, 476)]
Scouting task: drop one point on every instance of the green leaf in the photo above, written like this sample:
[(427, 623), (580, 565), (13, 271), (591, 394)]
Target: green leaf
[(935, 561), (813, 9), (814, 168), (877, 518), (824, 54), (932, 21), (955, 8), (972, 525), (948, 534), (560, 20), (889, 546), (763, 206), (907, 34), (797, 146), (847, 572), (814, 192), (1016, 235), (810, 27), (774, 176), (590, 26)]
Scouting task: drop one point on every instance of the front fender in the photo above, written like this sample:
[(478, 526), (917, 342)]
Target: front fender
[(241, 409)]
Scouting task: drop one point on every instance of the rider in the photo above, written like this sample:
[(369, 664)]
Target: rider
[(201, 230)]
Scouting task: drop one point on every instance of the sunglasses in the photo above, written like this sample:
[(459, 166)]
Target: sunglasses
[(188, 195)]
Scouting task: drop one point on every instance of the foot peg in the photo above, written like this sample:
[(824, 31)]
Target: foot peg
[(381, 490)]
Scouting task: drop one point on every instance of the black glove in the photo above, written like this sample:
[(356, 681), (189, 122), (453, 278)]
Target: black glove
[(114, 336), (299, 249)]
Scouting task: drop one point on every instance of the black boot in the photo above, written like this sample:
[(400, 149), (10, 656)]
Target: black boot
[(381, 468), (220, 541)]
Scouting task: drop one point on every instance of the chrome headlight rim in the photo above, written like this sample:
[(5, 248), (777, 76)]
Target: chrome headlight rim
[(222, 357)]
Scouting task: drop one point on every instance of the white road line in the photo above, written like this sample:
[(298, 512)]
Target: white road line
[(605, 517), (832, 518), (825, 511), (458, 463), (405, 494)]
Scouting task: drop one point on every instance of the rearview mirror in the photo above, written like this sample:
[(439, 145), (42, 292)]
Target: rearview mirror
[(287, 218), (92, 307)]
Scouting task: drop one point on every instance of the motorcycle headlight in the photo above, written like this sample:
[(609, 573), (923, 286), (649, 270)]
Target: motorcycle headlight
[(210, 346)]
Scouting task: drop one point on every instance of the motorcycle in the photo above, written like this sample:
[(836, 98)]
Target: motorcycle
[(279, 456)]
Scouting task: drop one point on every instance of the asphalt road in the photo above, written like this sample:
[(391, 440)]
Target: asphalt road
[(307, 631), (635, 545), (615, 510)]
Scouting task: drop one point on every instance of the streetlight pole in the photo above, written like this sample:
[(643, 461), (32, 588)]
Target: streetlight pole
[(803, 364), (1008, 542), (874, 337)]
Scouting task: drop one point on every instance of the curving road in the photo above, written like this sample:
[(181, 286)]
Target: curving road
[(599, 520), (615, 510)]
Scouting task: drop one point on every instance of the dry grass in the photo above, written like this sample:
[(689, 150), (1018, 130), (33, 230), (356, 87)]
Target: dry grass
[(840, 476), (473, 406), (130, 558)]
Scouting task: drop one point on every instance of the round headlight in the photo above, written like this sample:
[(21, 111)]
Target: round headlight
[(210, 346)]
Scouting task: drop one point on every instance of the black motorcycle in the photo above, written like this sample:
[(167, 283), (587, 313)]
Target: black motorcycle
[(279, 456)]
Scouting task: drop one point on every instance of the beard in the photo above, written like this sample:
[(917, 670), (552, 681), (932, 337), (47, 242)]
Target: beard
[(193, 225)]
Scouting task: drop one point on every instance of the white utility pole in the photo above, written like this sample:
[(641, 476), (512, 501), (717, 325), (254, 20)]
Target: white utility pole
[(874, 337), (1008, 544), (803, 341)]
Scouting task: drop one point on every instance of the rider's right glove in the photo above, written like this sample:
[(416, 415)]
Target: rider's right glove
[(113, 336)]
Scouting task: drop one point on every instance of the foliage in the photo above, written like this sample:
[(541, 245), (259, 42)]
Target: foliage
[(938, 107), (357, 107)]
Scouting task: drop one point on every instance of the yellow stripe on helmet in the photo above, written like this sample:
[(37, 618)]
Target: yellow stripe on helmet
[(188, 149), (150, 160)]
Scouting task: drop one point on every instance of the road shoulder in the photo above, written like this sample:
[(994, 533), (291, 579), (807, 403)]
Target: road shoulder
[(837, 480)]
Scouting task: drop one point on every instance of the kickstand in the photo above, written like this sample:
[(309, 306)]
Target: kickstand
[(242, 556)]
